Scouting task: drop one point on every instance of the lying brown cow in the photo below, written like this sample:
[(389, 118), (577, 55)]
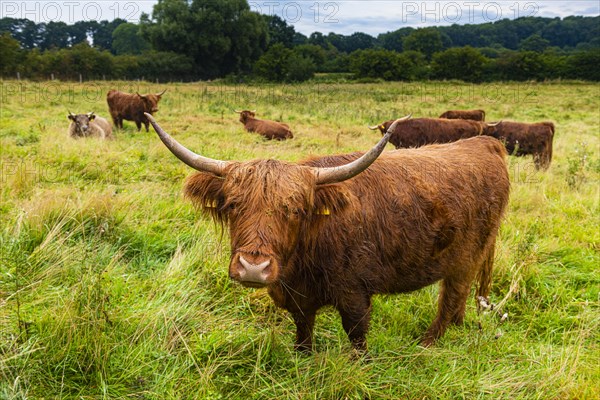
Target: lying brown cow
[(88, 125), (336, 230), (476, 115), (421, 131), (522, 139), (268, 129), (131, 107)]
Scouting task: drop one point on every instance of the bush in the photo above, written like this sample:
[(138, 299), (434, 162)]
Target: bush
[(465, 63), (280, 64), (386, 64)]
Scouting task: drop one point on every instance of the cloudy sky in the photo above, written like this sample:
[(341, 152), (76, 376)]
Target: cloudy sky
[(340, 16)]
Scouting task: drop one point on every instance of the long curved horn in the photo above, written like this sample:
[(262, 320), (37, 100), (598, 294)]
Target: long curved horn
[(239, 112), (161, 93), (495, 124), (347, 171), (190, 158), (373, 127)]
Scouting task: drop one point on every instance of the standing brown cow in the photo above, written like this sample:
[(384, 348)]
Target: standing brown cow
[(421, 131), (522, 139), (336, 230), (475, 115), (268, 129), (132, 107)]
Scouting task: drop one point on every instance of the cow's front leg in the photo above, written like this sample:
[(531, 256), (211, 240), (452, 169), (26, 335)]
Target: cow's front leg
[(355, 320), (305, 323)]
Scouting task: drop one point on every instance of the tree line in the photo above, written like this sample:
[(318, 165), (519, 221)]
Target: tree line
[(204, 39)]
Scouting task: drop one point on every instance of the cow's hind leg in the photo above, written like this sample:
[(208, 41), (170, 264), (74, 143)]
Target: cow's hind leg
[(355, 320), (451, 307), (305, 322)]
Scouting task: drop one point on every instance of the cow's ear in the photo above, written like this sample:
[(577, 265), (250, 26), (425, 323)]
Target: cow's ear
[(206, 192), (71, 117), (330, 200)]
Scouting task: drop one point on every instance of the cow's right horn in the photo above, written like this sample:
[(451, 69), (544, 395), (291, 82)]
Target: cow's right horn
[(237, 111), (190, 158), (373, 127), (347, 171)]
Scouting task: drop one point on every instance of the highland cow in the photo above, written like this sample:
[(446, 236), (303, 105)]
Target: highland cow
[(131, 107), (421, 131), (475, 115), (337, 230), (89, 125), (523, 139), (266, 128)]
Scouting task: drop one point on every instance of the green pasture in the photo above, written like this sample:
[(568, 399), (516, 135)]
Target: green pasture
[(113, 287)]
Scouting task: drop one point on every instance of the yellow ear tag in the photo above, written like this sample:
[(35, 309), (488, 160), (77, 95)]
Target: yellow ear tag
[(211, 204), (382, 126), (324, 211)]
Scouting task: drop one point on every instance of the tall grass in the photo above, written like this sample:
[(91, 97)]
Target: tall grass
[(112, 286)]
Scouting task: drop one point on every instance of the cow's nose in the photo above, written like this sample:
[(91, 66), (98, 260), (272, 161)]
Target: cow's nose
[(84, 128), (253, 273)]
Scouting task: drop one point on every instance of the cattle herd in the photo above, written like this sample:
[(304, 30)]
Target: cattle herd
[(335, 230)]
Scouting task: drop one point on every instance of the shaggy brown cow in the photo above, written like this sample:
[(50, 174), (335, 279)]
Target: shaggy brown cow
[(336, 230), (476, 115), (268, 129), (522, 139), (421, 131), (132, 107), (89, 125)]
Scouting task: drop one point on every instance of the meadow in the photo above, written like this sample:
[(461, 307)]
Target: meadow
[(113, 286)]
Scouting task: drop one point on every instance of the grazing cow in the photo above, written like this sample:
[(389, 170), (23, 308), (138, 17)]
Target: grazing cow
[(522, 139), (421, 131), (89, 125), (268, 129), (132, 107), (476, 115), (336, 230)]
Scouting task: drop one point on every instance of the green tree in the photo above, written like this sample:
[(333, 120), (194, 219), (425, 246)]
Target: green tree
[(534, 43), (384, 64), (427, 41), (464, 63), (279, 31), (127, 40), (280, 64), (10, 54), (584, 65), (221, 37)]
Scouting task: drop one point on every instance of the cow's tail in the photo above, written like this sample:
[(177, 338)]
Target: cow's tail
[(484, 277)]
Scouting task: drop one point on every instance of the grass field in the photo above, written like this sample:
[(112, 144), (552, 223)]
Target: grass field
[(112, 286)]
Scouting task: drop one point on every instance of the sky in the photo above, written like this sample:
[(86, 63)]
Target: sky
[(339, 16)]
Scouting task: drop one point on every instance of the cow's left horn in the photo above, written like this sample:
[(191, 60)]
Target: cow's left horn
[(373, 127), (161, 93), (190, 158), (494, 124), (347, 171)]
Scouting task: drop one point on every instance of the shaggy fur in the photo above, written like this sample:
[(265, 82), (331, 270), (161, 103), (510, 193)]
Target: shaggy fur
[(523, 139), (421, 131), (89, 125), (268, 129), (475, 115), (414, 217), (131, 107)]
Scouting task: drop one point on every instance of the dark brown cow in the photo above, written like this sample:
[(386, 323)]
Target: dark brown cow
[(476, 115), (132, 107), (268, 129), (336, 230), (421, 131), (523, 139)]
